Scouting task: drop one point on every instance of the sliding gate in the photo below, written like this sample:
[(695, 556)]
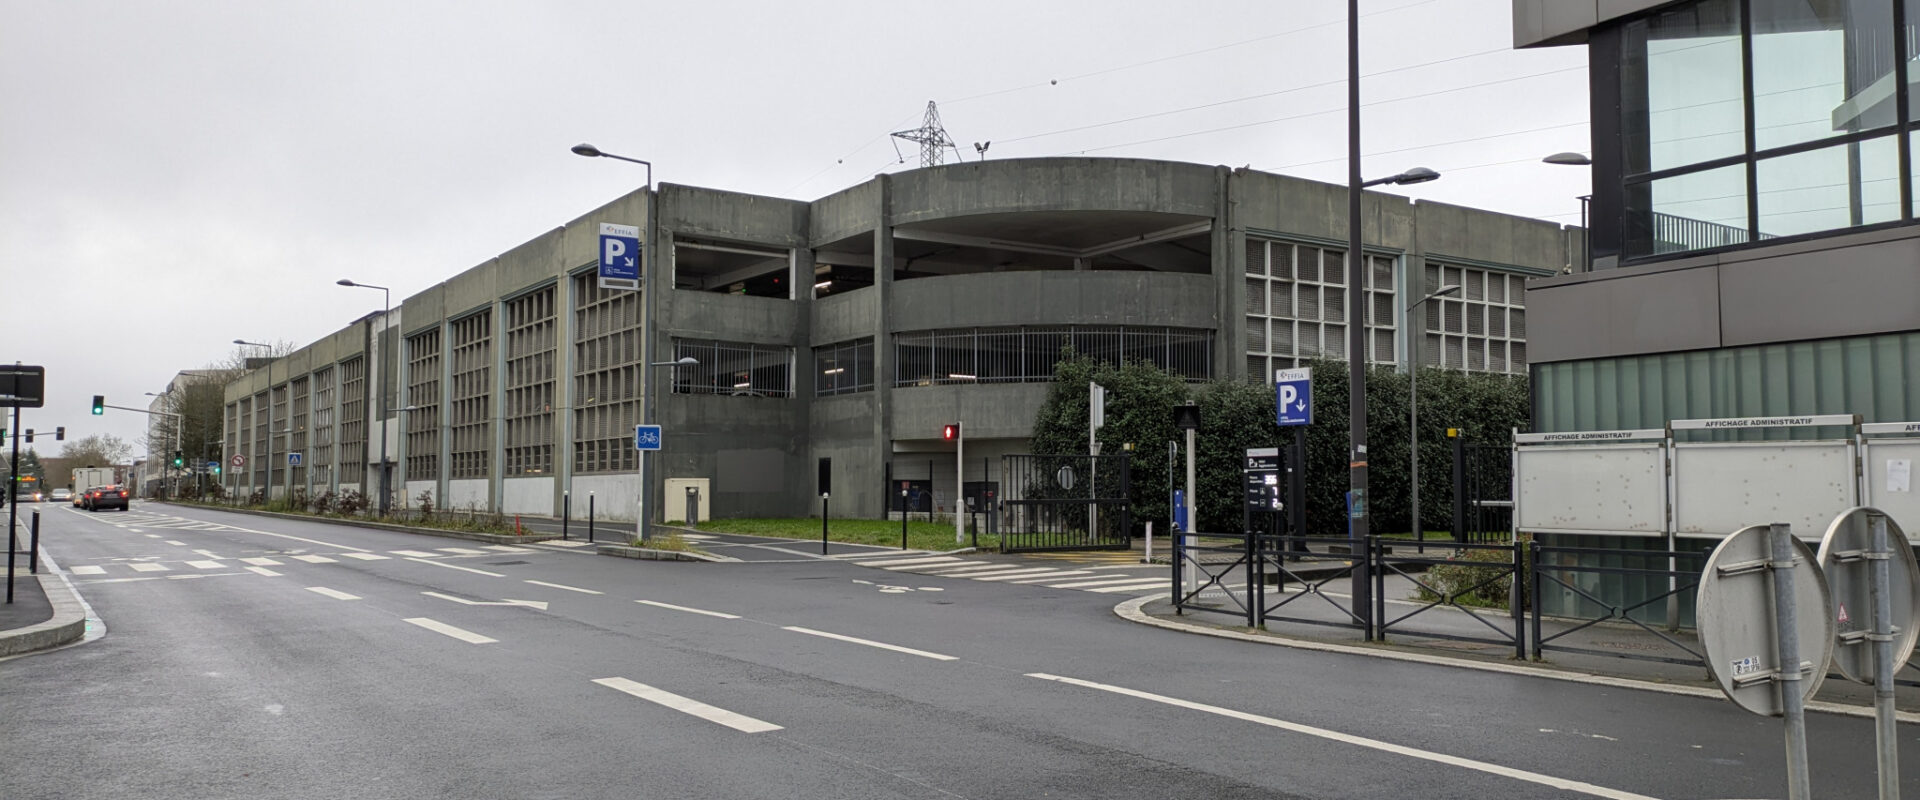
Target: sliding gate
[(1066, 503)]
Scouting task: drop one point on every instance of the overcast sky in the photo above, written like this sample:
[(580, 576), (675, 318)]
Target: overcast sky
[(174, 176)]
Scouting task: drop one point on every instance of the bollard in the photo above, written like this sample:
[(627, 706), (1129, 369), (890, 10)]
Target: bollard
[(566, 516), (33, 548), (589, 517)]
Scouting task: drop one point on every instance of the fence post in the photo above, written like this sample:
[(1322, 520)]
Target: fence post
[(566, 516), (1459, 485), (1516, 600), (1247, 550), (1377, 616), (1533, 594)]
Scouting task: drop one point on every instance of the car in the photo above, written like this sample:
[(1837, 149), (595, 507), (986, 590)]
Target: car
[(61, 494), (105, 497)]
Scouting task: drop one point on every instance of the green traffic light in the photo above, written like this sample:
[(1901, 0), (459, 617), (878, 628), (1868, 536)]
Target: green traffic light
[(99, 404)]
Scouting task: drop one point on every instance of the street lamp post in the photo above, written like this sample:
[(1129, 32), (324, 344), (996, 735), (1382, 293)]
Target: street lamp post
[(1413, 401), (1586, 233), (386, 478), (266, 486), (649, 305), (1357, 513)]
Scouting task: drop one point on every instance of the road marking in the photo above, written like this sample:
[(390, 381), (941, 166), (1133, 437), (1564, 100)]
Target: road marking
[(149, 568), (260, 562), (152, 535), (564, 586), (697, 537), (176, 544), (365, 556), (326, 592), (536, 604), (1043, 579), (879, 554), (414, 553), (464, 551), (1157, 583), (882, 645), (317, 559), (205, 564), (901, 562), (507, 548), (448, 630), (686, 705), (1360, 741), (207, 553), (88, 570), (264, 571), (458, 567), (1026, 573), (686, 609), (972, 567), (1103, 582)]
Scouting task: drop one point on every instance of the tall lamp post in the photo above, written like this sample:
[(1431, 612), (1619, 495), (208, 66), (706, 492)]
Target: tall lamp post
[(1586, 233), (1357, 515), (1413, 401), (386, 477), (649, 305), (267, 486)]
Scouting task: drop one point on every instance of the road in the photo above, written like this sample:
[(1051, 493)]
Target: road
[(249, 657)]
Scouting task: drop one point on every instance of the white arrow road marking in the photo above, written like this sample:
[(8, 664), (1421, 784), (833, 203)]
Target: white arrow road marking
[(326, 592), (686, 609), (317, 559), (536, 604), (882, 645), (685, 705), (448, 630), (1564, 784)]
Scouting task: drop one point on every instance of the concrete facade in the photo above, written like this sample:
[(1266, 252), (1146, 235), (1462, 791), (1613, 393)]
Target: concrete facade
[(852, 328)]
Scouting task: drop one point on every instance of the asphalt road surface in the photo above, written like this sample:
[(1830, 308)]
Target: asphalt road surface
[(248, 657)]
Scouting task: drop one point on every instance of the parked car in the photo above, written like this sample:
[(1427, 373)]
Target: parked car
[(104, 497), (61, 494)]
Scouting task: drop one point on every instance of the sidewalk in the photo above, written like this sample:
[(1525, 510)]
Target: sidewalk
[(45, 613)]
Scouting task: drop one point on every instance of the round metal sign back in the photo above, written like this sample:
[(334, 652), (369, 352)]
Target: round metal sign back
[(1843, 557), (1734, 611)]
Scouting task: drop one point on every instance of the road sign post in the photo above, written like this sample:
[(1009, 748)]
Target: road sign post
[(645, 437), (1762, 607), (1875, 604)]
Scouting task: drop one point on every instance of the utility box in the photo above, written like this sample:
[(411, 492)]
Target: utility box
[(673, 500)]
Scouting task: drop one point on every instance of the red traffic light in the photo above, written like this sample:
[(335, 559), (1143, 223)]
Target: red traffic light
[(950, 432)]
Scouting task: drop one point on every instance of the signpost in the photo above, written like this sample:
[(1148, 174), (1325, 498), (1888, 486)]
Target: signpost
[(293, 459), (1293, 408), (619, 256), (1875, 604), (1765, 621)]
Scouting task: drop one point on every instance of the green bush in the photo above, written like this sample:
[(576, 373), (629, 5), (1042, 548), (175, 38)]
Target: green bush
[(1481, 578)]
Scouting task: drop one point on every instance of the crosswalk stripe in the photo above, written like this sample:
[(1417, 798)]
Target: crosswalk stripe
[(1133, 587), (507, 548), (902, 562), (176, 544), (264, 571), (88, 570), (1100, 582), (414, 553), (877, 554), (260, 562), (366, 556), (149, 568), (205, 564), (1025, 573), (326, 592), (686, 705), (969, 567), (464, 551), (1054, 577), (317, 559)]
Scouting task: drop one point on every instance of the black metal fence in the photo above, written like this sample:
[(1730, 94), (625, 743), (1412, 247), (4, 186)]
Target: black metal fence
[(1068, 502), (1472, 578), (1673, 577)]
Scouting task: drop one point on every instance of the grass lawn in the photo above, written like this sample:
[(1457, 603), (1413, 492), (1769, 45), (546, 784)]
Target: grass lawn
[(920, 535)]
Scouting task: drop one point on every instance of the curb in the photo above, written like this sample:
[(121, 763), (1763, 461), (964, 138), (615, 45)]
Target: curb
[(68, 625), (489, 538), (1130, 611), (650, 554)]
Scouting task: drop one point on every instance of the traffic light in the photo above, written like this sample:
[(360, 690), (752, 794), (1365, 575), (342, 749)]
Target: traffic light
[(178, 461), (99, 404), (28, 436), (60, 434), (951, 433), (216, 468)]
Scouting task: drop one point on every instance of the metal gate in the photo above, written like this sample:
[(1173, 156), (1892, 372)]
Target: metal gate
[(1066, 503), (1482, 492)]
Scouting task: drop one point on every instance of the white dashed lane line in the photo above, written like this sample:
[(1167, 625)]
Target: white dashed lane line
[(688, 610), (326, 592), (685, 705), (260, 562), (263, 571), (564, 586), (458, 567), (870, 643), (365, 556), (448, 630)]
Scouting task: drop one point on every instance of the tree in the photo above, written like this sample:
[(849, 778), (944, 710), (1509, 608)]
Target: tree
[(98, 450), (1139, 411)]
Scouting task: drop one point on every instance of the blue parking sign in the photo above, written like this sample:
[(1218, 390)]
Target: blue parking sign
[(1293, 396), (646, 437), (619, 256)]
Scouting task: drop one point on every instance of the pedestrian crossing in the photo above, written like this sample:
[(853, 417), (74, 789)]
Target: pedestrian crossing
[(148, 566), (1100, 575)]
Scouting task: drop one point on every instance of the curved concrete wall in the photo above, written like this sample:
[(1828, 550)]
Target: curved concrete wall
[(1055, 184), (1054, 298)]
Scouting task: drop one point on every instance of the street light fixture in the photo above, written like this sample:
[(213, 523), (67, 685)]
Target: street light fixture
[(1586, 234), (386, 307), (1413, 401), (1358, 505), (648, 308)]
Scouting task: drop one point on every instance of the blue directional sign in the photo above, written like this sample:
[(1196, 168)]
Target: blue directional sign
[(619, 256), (1293, 396), (646, 437), (293, 459)]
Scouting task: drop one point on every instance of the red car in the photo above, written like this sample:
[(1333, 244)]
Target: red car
[(101, 497)]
